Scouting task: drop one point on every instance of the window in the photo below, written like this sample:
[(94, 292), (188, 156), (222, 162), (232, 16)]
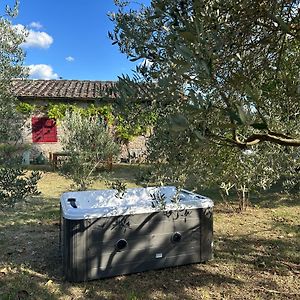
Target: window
[(43, 130)]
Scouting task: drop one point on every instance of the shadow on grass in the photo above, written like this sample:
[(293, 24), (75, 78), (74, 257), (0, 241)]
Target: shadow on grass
[(23, 285), (125, 172), (30, 258), (275, 250), (276, 199), (33, 245), (173, 283), (32, 253), (30, 247)]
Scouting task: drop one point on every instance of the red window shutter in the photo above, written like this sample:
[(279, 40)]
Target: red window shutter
[(44, 130)]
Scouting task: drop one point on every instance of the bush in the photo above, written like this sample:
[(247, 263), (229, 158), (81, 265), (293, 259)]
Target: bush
[(15, 186)]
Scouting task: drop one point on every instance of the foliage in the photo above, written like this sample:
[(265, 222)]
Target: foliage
[(229, 63), (119, 186), (16, 186), (131, 120), (124, 128), (89, 145), (124, 131), (25, 108), (58, 111), (11, 58), (199, 165), (222, 77)]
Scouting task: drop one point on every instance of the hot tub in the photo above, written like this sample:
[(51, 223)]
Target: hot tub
[(105, 233)]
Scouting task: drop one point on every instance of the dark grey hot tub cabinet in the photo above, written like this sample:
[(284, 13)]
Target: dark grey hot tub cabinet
[(103, 235)]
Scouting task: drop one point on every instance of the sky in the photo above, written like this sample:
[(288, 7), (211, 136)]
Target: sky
[(68, 39)]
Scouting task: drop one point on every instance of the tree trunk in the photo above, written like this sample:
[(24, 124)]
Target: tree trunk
[(128, 151), (243, 198)]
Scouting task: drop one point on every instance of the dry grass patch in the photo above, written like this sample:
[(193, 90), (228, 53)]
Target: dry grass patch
[(256, 254)]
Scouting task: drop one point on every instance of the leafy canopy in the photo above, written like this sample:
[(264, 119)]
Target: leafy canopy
[(222, 78), (11, 59), (227, 71), (15, 184)]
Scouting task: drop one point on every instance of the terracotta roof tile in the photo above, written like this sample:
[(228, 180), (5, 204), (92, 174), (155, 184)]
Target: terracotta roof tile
[(62, 89)]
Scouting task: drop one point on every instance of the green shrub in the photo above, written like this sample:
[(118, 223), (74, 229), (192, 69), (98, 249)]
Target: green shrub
[(15, 185)]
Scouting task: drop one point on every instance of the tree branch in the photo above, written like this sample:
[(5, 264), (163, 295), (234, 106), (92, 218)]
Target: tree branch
[(286, 28), (274, 138)]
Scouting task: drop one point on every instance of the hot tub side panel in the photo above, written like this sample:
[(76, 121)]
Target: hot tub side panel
[(74, 249), (90, 250)]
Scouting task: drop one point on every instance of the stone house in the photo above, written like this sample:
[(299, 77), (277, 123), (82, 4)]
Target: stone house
[(43, 133)]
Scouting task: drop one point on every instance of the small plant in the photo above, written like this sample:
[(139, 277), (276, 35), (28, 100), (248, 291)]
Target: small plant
[(15, 185)]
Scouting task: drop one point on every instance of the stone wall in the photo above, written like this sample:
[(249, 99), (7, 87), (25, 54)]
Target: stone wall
[(38, 148), (137, 147)]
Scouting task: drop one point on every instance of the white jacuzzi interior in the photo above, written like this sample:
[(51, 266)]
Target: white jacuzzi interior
[(135, 200)]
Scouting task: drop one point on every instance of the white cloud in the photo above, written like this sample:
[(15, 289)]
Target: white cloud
[(35, 39), (42, 71), (70, 58), (38, 39), (36, 25)]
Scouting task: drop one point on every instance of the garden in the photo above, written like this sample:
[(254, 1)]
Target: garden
[(216, 91), (256, 254)]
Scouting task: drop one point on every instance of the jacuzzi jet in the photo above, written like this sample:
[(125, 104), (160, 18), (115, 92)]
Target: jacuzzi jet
[(176, 237), (121, 244)]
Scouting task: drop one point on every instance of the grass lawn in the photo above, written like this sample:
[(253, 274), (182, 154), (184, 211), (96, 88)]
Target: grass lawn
[(257, 254)]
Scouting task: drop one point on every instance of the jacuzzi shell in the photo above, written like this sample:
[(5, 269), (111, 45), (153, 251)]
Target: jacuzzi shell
[(173, 234)]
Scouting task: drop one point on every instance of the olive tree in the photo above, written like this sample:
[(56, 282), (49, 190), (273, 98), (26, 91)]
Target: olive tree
[(11, 59), (15, 184), (222, 76), (89, 145), (238, 60)]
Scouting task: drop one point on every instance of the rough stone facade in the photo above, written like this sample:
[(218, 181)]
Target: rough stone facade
[(78, 92), (136, 147)]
